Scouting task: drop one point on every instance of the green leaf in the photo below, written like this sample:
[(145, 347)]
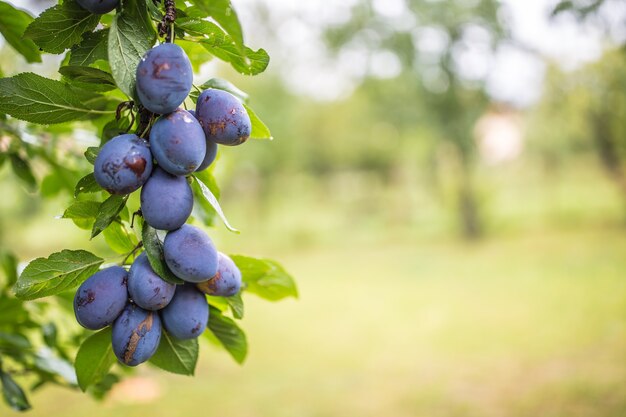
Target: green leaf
[(130, 37), (259, 129), (36, 99), (250, 63), (236, 305), (177, 356), (265, 278), (107, 212), (154, 251), (61, 27), (119, 239), (224, 14), (13, 394), (22, 169), (8, 263), (221, 84), (13, 23), (203, 209), (87, 184), (91, 153), (210, 198), (92, 48), (229, 334), (218, 302), (94, 358), (82, 213), (60, 272), (87, 75)]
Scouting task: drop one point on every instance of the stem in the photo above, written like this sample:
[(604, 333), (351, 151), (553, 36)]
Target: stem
[(166, 26), (132, 252)]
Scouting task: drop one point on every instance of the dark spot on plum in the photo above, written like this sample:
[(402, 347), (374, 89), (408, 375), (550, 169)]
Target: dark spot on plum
[(83, 301), (137, 164)]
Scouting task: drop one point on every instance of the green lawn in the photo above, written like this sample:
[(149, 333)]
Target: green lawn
[(532, 325)]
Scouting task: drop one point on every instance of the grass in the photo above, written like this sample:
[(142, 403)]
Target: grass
[(528, 325)]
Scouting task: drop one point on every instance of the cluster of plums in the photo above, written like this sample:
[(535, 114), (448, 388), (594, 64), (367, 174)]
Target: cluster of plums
[(138, 303)]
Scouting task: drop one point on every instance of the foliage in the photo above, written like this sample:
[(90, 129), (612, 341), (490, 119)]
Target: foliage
[(96, 91)]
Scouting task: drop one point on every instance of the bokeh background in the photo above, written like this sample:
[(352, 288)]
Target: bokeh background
[(447, 185)]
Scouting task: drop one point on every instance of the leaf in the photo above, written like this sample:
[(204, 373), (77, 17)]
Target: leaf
[(46, 361), (220, 84), (13, 394), (94, 358), (61, 27), (82, 213), (208, 196), (87, 75), (203, 209), (119, 239), (107, 212), (22, 169), (60, 272), (265, 278), (259, 129), (13, 23), (229, 334), (8, 263), (154, 251), (87, 184), (236, 305), (250, 63), (130, 37), (91, 153), (92, 48), (224, 14), (177, 356), (36, 99)]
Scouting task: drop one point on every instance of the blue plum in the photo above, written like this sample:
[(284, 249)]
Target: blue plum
[(223, 117), (178, 142), (98, 6), (146, 288), (123, 164), (209, 157), (164, 78), (226, 282), (190, 254), (187, 315), (101, 298), (166, 200), (211, 150), (136, 335)]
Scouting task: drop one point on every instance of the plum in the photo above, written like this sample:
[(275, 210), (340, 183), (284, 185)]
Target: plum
[(223, 117), (211, 150), (164, 78), (187, 315), (226, 282), (178, 142), (123, 164), (136, 335), (190, 254), (146, 288), (166, 200), (101, 298), (209, 157), (98, 6)]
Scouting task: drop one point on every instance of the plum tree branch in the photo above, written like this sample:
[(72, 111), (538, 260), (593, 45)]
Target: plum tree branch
[(166, 26)]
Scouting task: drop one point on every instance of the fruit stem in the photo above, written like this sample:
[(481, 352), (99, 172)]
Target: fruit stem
[(166, 26)]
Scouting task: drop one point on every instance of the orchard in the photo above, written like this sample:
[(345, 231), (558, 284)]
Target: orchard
[(126, 75)]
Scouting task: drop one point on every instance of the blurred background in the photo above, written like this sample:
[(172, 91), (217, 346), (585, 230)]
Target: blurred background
[(447, 184)]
